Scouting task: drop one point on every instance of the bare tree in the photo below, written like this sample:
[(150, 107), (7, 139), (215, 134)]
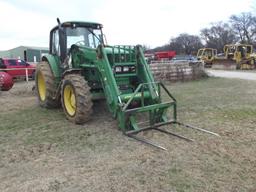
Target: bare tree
[(245, 27), (165, 47), (218, 35), (240, 28), (186, 44)]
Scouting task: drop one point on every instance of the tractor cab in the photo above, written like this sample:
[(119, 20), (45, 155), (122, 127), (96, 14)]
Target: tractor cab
[(238, 52), (66, 34), (207, 55)]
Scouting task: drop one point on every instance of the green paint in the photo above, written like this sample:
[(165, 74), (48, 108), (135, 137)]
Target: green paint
[(118, 73), (54, 63)]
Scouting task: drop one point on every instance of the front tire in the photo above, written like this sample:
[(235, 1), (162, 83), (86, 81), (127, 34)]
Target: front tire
[(76, 99), (45, 86)]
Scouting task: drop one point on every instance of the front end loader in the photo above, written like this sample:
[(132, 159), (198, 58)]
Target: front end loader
[(80, 68)]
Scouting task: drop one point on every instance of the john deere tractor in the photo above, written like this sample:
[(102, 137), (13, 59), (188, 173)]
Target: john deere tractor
[(81, 69)]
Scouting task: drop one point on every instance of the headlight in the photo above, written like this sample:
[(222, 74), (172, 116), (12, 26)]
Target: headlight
[(118, 69), (126, 69)]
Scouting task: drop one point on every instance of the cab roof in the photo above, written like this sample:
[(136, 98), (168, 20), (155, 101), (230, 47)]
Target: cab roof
[(80, 24)]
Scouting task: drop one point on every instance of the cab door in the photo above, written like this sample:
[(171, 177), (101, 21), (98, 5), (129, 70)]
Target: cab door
[(21, 65)]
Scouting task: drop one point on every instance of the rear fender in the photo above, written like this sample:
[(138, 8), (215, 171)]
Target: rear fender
[(54, 63)]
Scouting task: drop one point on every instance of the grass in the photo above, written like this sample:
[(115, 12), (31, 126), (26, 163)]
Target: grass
[(227, 107), (98, 154)]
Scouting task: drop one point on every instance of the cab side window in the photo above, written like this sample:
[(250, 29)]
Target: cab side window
[(55, 43), (91, 41)]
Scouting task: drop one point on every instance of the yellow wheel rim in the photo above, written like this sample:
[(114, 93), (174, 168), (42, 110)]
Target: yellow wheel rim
[(69, 100), (41, 86)]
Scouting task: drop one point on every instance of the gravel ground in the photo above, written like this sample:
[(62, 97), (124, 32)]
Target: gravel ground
[(233, 74)]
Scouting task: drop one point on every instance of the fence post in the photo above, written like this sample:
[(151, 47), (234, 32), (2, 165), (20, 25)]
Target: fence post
[(26, 74)]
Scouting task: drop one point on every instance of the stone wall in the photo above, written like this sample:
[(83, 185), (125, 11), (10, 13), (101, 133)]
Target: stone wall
[(178, 71)]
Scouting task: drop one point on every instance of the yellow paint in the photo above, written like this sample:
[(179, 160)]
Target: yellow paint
[(41, 86), (69, 100)]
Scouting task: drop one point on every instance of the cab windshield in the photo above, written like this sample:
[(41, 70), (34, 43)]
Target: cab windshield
[(200, 53), (82, 36)]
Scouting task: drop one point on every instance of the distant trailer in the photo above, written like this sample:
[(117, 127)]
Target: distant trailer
[(164, 55)]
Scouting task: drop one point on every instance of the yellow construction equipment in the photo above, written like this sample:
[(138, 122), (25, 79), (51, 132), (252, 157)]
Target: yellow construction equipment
[(236, 56), (207, 55)]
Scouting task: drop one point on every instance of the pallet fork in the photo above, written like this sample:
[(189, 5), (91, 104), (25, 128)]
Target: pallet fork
[(157, 114)]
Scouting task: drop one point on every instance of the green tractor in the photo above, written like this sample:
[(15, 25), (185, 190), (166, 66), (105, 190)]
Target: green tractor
[(81, 69)]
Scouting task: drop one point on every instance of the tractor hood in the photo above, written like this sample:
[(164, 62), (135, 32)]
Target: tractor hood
[(118, 53), (119, 49)]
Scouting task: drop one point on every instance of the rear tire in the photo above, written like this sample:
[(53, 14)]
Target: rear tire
[(76, 99), (45, 86)]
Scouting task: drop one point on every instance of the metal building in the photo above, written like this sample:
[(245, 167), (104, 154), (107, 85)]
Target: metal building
[(27, 53)]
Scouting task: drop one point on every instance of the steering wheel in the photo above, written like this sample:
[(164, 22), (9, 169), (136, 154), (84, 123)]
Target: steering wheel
[(81, 43)]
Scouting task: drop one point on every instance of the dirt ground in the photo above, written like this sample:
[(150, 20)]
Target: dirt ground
[(41, 151), (19, 97)]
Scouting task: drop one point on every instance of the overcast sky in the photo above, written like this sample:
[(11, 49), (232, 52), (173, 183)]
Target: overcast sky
[(149, 22)]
